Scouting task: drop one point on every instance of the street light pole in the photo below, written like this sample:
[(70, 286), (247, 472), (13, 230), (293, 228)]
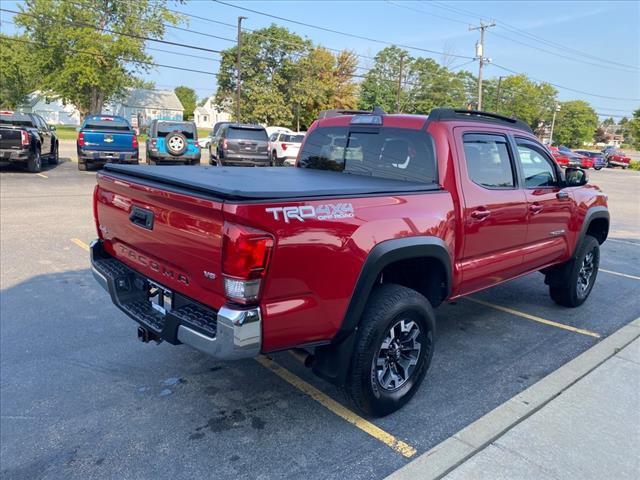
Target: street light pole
[(480, 56), (238, 75), (399, 91), (553, 122)]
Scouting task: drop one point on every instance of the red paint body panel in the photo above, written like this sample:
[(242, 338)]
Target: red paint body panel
[(315, 264)]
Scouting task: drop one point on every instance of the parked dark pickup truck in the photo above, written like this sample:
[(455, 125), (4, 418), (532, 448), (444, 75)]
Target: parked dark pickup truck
[(25, 138), (345, 257), (106, 139)]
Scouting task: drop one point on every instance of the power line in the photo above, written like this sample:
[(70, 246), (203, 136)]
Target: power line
[(514, 29), (139, 37), (352, 35), (101, 55), (567, 88), (182, 54)]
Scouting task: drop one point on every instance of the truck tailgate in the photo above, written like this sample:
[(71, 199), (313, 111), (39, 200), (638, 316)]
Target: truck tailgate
[(179, 248), (10, 138), (108, 140)]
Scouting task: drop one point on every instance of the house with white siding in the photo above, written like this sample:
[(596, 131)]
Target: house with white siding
[(52, 109), (143, 105), (207, 115)]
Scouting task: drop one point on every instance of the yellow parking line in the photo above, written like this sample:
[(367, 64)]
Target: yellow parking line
[(80, 243), (619, 274), (346, 414), (326, 401), (41, 175), (534, 318)]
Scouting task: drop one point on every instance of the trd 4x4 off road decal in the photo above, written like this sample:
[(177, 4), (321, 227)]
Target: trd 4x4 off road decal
[(330, 211)]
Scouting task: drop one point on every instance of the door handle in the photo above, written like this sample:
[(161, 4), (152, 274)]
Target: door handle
[(535, 208), (480, 214), (562, 195)]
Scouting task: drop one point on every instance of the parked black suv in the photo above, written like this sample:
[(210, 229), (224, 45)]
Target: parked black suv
[(171, 142), (25, 138), (240, 145)]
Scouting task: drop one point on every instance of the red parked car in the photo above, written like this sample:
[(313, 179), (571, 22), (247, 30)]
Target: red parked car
[(344, 258), (617, 158), (564, 159)]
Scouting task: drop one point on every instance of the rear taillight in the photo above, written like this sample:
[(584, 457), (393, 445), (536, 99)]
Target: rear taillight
[(134, 142), (245, 257), (284, 146), (81, 139), (24, 138)]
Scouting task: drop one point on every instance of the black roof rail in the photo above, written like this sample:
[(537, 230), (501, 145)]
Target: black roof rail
[(339, 111), (476, 115)]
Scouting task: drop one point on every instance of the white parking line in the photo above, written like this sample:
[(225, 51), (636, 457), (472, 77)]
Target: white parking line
[(625, 275)]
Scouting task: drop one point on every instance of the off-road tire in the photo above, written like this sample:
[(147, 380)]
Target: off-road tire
[(34, 164), (572, 294), (387, 306), (176, 144)]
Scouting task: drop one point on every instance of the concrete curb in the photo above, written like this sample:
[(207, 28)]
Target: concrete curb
[(455, 450)]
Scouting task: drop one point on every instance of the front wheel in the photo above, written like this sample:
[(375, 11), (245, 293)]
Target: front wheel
[(582, 273), (393, 350), (597, 168)]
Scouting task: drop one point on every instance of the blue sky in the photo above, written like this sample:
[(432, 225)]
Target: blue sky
[(595, 46)]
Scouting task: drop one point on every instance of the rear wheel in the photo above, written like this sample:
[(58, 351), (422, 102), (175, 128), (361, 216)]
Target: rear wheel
[(393, 350), (34, 164), (54, 158), (581, 275)]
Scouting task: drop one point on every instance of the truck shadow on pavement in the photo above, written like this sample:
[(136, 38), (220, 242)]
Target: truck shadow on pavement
[(83, 398), (18, 168)]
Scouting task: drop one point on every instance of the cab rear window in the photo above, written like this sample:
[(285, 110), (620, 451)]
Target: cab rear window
[(106, 123), (396, 153), (16, 119), (258, 134)]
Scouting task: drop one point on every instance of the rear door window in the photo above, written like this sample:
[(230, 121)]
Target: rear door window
[(293, 138), (396, 153), (254, 134), (488, 160), (107, 123), (186, 129)]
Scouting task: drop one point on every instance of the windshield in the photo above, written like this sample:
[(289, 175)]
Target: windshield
[(16, 119), (247, 134), (106, 123), (396, 153), (187, 129), (293, 138)]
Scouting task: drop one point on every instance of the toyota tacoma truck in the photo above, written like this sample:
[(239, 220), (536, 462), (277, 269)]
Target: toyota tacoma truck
[(106, 139), (344, 258)]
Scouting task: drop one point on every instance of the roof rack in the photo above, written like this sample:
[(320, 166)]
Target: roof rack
[(338, 111), (476, 115)]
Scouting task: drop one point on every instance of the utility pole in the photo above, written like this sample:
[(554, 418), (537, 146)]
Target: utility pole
[(238, 75), (480, 56), (399, 84), (498, 95), (556, 109)]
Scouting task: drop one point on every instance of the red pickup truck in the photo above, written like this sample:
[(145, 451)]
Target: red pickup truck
[(345, 256)]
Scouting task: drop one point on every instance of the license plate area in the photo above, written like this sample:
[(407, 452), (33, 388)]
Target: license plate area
[(160, 298)]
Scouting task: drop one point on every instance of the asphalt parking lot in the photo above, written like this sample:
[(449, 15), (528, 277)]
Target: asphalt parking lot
[(83, 398)]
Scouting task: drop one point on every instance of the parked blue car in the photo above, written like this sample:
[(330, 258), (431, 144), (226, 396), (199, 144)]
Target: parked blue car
[(171, 142), (106, 139), (598, 158)]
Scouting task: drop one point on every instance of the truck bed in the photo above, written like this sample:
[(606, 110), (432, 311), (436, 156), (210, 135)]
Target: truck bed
[(243, 183)]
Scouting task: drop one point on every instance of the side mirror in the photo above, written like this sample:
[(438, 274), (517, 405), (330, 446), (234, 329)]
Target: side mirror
[(52, 128), (77, 129), (575, 177)]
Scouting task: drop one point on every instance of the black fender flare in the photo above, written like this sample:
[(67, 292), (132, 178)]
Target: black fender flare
[(332, 361), (593, 213)]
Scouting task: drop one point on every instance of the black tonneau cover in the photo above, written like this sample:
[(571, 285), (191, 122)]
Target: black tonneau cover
[(261, 183)]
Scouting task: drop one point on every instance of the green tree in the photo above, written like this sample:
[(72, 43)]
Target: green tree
[(634, 129), (18, 76), (575, 123), (380, 85), (81, 62), (521, 98), (188, 98), (286, 80), (608, 122), (600, 136)]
